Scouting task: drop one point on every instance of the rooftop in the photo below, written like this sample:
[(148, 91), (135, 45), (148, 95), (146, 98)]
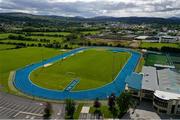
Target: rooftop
[(166, 95), (149, 81), (134, 81), (142, 37), (169, 80)]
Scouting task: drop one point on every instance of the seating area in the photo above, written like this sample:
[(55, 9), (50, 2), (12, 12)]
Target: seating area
[(17, 109)]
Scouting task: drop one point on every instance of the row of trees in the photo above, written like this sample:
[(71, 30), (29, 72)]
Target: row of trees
[(49, 45), (163, 49), (23, 38)]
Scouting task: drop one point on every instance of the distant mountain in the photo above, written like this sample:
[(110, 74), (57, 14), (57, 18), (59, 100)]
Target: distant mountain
[(174, 18), (23, 18)]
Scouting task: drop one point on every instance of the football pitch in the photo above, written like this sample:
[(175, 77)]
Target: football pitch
[(93, 68)]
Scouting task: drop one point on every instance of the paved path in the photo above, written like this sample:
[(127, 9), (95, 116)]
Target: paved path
[(145, 111)]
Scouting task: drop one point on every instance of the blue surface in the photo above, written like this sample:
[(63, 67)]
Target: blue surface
[(71, 85), (24, 84), (134, 81)]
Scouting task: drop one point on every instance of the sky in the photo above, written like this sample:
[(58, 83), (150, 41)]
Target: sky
[(92, 8)]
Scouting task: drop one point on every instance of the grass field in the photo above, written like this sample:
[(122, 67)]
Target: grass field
[(5, 47), (52, 33), (13, 59), (152, 59), (52, 39), (4, 35), (94, 68), (20, 41), (159, 45), (91, 32)]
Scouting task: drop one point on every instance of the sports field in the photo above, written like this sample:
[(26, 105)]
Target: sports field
[(152, 59), (93, 68)]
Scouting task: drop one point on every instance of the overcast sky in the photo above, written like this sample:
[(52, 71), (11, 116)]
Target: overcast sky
[(91, 8)]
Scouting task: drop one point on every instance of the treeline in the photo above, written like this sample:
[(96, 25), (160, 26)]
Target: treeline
[(59, 29), (41, 29), (163, 49), (48, 45), (42, 34), (23, 38), (100, 44)]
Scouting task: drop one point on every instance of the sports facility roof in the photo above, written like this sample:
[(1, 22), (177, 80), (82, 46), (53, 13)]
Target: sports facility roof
[(149, 81), (169, 80), (166, 95), (134, 81)]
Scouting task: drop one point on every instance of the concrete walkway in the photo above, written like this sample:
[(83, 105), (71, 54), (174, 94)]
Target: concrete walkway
[(145, 111)]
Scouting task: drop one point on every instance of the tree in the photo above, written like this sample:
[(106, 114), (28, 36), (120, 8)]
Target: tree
[(112, 105), (70, 108), (47, 111), (123, 103), (97, 105), (112, 101)]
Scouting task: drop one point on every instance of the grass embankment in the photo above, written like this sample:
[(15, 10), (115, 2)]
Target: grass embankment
[(159, 45)]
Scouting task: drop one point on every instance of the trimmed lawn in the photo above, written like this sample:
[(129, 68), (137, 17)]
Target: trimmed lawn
[(140, 65), (159, 45), (78, 110), (13, 59), (105, 111), (94, 68)]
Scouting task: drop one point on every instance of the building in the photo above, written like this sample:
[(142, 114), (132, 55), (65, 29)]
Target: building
[(166, 102), (168, 39), (133, 84), (148, 38), (149, 82), (162, 86)]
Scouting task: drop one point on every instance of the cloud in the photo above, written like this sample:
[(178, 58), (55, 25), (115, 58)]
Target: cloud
[(91, 8)]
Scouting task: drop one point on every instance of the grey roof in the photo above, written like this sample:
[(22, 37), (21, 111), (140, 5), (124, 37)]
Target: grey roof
[(149, 81), (169, 80)]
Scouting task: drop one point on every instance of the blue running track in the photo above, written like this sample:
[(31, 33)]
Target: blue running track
[(24, 84)]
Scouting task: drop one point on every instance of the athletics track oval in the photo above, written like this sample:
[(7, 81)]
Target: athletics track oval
[(23, 83)]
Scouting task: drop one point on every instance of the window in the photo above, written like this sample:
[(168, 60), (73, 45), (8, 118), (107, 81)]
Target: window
[(162, 111), (160, 102)]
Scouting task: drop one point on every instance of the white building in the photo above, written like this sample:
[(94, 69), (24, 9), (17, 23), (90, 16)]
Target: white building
[(167, 39), (166, 102)]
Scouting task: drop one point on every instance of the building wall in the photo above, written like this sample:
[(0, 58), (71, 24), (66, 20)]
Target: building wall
[(166, 106)]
